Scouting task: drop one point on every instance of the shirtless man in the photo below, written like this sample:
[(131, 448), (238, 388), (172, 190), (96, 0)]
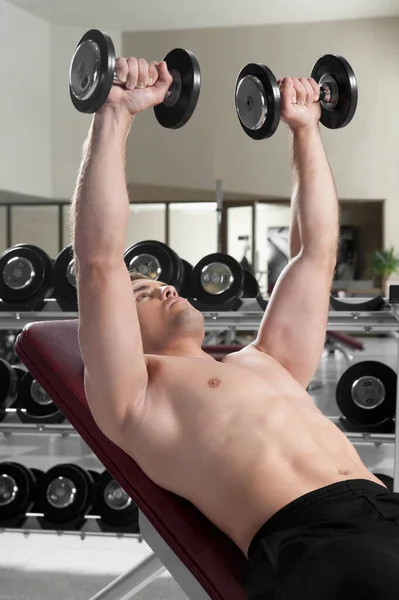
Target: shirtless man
[(241, 439)]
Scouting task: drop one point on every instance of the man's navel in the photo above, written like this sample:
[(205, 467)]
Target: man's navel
[(214, 383)]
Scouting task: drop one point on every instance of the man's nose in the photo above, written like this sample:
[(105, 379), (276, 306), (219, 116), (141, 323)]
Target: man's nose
[(167, 291)]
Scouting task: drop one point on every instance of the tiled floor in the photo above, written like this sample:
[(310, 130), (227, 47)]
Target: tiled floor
[(51, 567)]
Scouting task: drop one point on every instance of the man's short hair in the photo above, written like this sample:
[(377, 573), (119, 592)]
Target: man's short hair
[(135, 275)]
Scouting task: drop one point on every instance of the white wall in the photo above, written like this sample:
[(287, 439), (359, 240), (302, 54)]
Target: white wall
[(364, 156), (69, 128), (25, 102)]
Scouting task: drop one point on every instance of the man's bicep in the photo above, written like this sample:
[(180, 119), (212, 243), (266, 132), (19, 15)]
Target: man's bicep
[(110, 342), (294, 326)]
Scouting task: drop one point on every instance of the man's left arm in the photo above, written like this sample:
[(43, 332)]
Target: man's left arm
[(294, 326)]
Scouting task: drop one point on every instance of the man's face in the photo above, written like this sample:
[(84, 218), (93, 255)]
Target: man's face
[(164, 316)]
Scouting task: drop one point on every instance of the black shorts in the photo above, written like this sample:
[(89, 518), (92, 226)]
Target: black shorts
[(340, 542)]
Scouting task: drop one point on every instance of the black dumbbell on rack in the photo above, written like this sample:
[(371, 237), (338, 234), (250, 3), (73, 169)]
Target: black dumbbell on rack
[(34, 405), (366, 396), (10, 379), (66, 496), (116, 509), (18, 493), (64, 280), (258, 100), (92, 74), (25, 278)]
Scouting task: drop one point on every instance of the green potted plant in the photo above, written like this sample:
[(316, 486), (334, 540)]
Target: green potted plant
[(384, 263)]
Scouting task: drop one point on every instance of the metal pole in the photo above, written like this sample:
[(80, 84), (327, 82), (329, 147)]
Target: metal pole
[(219, 210), (131, 583)]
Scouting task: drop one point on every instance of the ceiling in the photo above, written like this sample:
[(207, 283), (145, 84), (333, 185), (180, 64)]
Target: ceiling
[(149, 15)]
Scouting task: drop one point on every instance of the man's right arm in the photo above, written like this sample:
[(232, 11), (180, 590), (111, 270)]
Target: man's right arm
[(109, 334)]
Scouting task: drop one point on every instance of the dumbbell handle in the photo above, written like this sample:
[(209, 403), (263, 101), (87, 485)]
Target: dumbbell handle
[(117, 82)]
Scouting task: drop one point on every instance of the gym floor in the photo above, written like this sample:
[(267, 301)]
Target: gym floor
[(48, 566)]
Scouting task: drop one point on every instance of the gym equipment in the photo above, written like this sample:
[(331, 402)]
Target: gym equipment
[(374, 304), (185, 290), (114, 506), (258, 99), (10, 378), (386, 480), (34, 405), (156, 261), (366, 393), (18, 489), (252, 290), (218, 279), (65, 496), (92, 74), (25, 277), (197, 554), (64, 280)]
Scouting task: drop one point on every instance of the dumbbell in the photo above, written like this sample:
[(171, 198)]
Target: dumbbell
[(25, 278), (116, 509), (18, 492), (10, 378), (217, 280), (64, 280), (92, 74), (65, 496), (366, 393), (258, 100), (34, 405), (158, 262)]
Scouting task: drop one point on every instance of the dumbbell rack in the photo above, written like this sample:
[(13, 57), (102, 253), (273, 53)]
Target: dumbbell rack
[(386, 320)]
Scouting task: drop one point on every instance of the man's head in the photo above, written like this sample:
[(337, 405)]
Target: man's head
[(169, 324)]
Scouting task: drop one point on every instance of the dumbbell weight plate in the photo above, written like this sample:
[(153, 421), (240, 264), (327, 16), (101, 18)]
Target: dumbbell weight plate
[(338, 74), (8, 385), (34, 405), (366, 393), (251, 286), (113, 504), (64, 280), (217, 278), (258, 101), (25, 275), (17, 491), (185, 290), (178, 107), (156, 261), (65, 493), (91, 72)]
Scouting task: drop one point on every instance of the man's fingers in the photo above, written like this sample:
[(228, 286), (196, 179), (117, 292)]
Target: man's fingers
[(122, 69), (153, 72), (131, 81), (142, 79)]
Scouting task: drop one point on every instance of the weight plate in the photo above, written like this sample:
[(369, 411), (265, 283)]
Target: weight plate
[(25, 275), (64, 280), (65, 493), (157, 261), (17, 490), (338, 75), (217, 278), (185, 290), (34, 405), (178, 107), (251, 286), (8, 385), (113, 504), (258, 101), (366, 393), (91, 72)]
